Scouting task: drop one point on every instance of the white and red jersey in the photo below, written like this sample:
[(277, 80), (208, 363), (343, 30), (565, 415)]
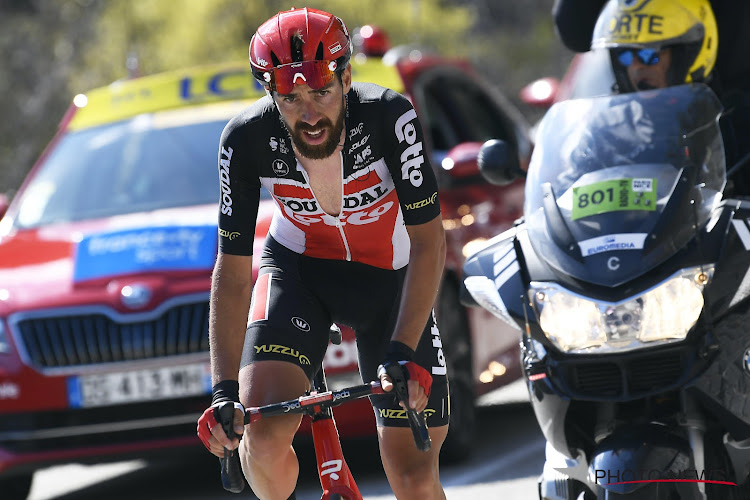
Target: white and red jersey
[(387, 183)]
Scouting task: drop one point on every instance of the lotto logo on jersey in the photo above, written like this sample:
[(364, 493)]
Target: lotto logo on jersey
[(411, 158)]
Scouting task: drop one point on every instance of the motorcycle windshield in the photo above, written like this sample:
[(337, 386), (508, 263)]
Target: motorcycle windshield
[(618, 184)]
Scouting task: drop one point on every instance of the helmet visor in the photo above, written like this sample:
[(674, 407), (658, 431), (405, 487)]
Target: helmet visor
[(314, 74), (625, 57)]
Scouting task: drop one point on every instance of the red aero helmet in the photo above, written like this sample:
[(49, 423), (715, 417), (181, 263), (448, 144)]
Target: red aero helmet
[(299, 47)]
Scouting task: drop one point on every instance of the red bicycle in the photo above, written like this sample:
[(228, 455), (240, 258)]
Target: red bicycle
[(335, 477)]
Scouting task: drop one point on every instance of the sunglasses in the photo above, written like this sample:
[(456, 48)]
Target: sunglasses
[(314, 74), (649, 57)]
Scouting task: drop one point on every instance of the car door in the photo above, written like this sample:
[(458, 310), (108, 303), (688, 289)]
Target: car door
[(459, 112)]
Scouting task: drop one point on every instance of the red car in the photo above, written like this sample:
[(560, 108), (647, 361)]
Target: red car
[(106, 254), (589, 74)]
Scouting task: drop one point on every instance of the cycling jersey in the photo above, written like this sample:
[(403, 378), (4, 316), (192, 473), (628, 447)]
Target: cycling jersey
[(387, 182)]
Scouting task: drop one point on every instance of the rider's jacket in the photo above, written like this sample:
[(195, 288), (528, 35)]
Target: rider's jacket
[(387, 179)]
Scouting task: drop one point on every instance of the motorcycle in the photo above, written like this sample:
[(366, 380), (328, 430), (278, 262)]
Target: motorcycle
[(628, 279)]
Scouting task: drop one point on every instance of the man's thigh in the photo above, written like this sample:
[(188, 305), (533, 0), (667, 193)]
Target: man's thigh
[(286, 324)]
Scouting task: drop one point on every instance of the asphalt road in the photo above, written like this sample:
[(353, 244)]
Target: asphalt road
[(505, 464)]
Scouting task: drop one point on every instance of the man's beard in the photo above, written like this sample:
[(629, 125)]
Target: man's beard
[(320, 151)]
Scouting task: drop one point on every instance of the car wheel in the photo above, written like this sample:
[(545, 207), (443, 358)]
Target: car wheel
[(16, 487), (454, 333)]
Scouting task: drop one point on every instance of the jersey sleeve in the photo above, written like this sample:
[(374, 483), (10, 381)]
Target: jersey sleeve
[(408, 162), (239, 185)]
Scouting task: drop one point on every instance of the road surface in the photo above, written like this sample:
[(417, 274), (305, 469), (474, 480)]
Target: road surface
[(505, 464)]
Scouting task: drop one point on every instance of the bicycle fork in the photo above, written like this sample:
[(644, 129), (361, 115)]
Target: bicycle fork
[(335, 476)]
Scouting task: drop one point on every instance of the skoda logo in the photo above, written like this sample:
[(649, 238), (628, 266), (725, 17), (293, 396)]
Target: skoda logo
[(301, 324), (135, 296)]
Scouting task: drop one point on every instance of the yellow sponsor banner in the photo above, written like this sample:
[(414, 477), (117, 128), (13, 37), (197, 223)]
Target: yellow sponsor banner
[(205, 84)]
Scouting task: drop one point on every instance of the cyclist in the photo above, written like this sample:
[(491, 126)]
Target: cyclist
[(356, 202), (656, 43)]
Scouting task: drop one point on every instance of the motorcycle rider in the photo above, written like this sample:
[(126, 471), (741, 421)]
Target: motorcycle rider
[(658, 43), (575, 20)]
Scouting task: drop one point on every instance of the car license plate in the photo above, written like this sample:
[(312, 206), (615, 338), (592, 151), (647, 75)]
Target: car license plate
[(139, 385)]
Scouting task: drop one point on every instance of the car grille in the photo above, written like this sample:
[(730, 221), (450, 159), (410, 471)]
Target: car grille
[(83, 338)]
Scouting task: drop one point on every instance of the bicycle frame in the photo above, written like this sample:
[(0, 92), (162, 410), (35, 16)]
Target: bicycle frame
[(334, 473)]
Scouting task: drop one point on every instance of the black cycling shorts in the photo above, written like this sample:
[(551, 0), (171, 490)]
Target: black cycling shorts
[(296, 299)]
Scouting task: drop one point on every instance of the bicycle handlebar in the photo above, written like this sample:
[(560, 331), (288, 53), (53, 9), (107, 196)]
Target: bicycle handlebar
[(416, 419), (231, 472)]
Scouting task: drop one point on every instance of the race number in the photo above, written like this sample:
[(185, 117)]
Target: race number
[(614, 195)]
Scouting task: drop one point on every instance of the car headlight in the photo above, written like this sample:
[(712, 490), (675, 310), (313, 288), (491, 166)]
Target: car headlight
[(662, 314), (484, 291)]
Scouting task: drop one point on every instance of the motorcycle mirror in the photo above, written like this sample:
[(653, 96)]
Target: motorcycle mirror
[(498, 163)]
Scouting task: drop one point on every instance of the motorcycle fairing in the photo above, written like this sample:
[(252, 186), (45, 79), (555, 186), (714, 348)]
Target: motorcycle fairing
[(498, 261), (652, 163), (730, 286), (724, 386)]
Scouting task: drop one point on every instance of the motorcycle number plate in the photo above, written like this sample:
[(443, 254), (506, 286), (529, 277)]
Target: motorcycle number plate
[(614, 195)]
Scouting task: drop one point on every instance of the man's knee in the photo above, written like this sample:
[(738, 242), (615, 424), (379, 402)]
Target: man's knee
[(401, 456), (267, 439), (269, 382)]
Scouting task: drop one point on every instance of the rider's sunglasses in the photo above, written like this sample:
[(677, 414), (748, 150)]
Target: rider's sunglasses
[(649, 57), (315, 74)]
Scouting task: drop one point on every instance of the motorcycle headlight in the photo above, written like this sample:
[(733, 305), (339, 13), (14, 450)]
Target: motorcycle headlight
[(663, 314)]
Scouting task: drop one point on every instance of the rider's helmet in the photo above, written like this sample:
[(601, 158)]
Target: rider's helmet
[(299, 46), (687, 27)]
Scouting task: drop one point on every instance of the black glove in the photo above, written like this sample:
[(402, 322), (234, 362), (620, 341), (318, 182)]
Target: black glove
[(400, 367), (225, 398)]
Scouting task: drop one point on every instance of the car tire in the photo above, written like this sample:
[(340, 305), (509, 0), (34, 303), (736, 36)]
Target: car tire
[(16, 487), (454, 333)]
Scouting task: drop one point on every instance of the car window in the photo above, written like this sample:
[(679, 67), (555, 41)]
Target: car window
[(131, 166), (456, 109)]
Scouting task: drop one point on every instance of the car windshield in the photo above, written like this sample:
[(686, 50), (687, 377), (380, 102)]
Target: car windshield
[(147, 163)]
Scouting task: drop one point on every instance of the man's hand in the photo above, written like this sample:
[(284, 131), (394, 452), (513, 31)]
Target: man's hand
[(211, 431), (418, 382), (398, 368), (225, 412)]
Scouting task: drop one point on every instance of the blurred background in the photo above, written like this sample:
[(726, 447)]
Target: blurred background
[(52, 50)]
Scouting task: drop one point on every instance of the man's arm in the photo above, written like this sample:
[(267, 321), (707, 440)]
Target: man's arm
[(231, 287), (426, 262)]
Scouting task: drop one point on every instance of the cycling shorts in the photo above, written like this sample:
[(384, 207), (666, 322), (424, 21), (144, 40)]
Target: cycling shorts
[(295, 300)]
